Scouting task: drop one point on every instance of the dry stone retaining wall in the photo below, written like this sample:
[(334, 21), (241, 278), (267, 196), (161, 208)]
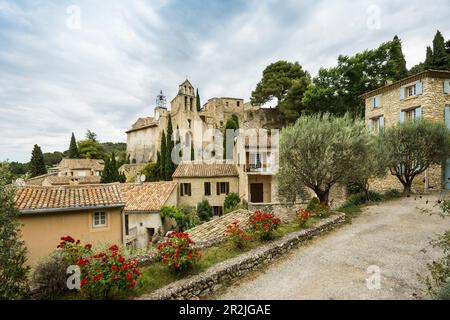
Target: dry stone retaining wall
[(215, 277)]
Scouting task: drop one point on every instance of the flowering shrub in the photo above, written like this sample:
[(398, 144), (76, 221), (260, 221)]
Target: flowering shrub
[(177, 252), (321, 210), (264, 224), (302, 216), (236, 235), (101, 272)]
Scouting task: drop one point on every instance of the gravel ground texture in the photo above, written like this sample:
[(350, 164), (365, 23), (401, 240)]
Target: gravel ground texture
[(393, 237)]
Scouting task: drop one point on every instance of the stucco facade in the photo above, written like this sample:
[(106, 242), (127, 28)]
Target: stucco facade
[(42, 231), (423, 96)]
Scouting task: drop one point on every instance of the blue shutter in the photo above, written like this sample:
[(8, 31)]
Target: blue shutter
[(378, 101), (402, 116), (418, 113), (381, 123), (447, 116), (419, 87), (369, 124), (402, 93), (446, 86)]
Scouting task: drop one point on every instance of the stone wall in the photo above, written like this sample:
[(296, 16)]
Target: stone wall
[(223, 273)]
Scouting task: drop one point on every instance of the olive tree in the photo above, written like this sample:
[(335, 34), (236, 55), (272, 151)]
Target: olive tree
[(411, 148), (319, 151)]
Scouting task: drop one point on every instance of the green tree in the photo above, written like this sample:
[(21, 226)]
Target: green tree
[(37, 164), (441, 59), (197, 100), (231, 202), (231, 124), (163, 154), (73, 148), (204, 210), (90, 149), (428, 64), (52, 158), (336, 90), (286, 82), (111, 171), (411, 148), (151, 171), (170, 144), (319, 151), (13, 253), (91, 135)]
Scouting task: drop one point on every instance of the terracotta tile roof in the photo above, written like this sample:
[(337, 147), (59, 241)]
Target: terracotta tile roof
[(148, 196), (38, 179), (55, 180), (96, 164), (203, 170), (31, 199), (143, 122)]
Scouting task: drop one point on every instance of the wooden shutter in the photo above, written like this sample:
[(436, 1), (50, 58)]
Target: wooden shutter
[(419, 87), (402, 116), (446, 86), (418, 113), (381, 123), (218, 188), (189, 189), (402, 93), (227, 187), (181, 189), (447, 116)]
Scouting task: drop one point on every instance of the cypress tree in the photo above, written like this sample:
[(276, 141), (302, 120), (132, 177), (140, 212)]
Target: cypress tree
[(107, 173), (162, 166), (170, 165), (440, 56), (192, 152), (428, 64), (199, 106), (37, 164), (232, 123), (158, 167), (73, 148), (397, 59)]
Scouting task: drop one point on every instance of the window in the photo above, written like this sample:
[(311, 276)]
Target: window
[(185, 103), (226, 103), (376, 102), (189, 123), (99, 219), (376, 124), (255, 160), (207, 188), (238, 103), (191, 103), (411, 91), (218, 211), (127, 231), (185, 189), (222, 188), (412, 114)]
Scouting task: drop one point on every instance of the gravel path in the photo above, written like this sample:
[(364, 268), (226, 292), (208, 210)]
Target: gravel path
[(393, 236)]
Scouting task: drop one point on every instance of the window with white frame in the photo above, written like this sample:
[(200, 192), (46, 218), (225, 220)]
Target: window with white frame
[(411, 91), (99, 219), (376, 101)]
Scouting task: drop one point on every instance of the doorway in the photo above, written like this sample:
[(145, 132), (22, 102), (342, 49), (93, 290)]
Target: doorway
[(256, 192)]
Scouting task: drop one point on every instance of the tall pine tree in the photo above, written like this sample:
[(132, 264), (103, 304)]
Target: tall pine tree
[(428, 64), (197, 98), (440, 56), (170, 165), (397, 59), (163, 151), (73, 148), (37, 164)]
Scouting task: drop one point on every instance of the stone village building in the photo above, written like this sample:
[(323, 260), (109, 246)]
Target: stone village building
[(252, 179), (425, 95)]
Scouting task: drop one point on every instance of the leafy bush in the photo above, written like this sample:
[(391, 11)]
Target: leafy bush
[(151, 172), (182, 216), (101, 273), (236, 235), (445, 206), (231, 202), (444, 293), (391, 194), (177, 253), (319, 209), (204, 210), (191, 219), (439, 275), (50, 278), (354, 188), (302, 216), (264, 224)]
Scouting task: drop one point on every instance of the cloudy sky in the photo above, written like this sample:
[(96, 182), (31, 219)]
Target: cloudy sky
[(76, 65)]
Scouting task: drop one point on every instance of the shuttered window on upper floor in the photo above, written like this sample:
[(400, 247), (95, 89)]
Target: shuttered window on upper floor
[(447, 86), (411, 90), (376, 101)]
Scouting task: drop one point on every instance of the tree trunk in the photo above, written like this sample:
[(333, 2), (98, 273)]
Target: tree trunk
[(407, 188), (323, 196)]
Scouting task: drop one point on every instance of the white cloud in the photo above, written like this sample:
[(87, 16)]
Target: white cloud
[(54, 80)]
